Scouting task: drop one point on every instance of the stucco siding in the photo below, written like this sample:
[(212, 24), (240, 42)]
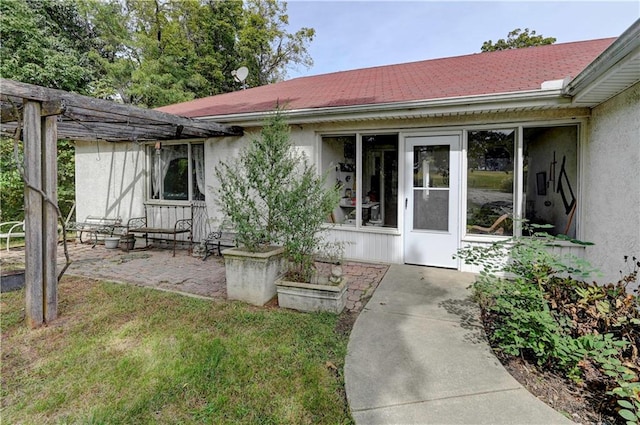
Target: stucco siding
[(611, 182), (109, 179), (227, 149)]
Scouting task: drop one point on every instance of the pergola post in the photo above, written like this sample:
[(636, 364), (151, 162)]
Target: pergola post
[(41, 229), (50, 216)]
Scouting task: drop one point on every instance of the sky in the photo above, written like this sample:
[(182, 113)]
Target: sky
[(367, 33)]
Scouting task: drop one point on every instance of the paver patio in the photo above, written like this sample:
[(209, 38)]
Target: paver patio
[(183, 273)]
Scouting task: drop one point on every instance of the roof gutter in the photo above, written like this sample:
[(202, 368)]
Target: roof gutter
[(618, 50), (537, 99)]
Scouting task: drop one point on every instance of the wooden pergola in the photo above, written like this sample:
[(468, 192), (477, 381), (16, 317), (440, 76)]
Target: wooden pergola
[(40, 117)]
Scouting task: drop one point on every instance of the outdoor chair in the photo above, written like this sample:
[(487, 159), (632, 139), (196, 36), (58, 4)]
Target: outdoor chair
[(495, 228)]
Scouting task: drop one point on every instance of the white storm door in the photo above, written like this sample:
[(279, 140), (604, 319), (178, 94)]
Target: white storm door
[(431, 207)]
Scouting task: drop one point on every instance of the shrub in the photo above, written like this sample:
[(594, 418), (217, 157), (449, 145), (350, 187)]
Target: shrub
[(273, 195), (538, 305), (308, 202), (253, 186)]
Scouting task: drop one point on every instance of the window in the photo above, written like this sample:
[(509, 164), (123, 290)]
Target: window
[(431, 187), (550, 177), (490, 171), (177, 172), (368, 184)]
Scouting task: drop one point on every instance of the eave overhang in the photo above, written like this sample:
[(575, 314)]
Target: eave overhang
[(615, 70), (468, 105)]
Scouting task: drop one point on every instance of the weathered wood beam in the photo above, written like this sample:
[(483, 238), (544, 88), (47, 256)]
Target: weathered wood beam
[(112, 132), (100, 106), (11, 109)]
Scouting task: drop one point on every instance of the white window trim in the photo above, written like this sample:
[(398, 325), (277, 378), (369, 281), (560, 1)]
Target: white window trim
[(358, 227), (149, 155), (518, 207)]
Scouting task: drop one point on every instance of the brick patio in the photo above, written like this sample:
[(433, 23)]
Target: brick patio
[(157, 268)]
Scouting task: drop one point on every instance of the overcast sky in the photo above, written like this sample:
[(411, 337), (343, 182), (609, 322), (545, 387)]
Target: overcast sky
[(360, 34)]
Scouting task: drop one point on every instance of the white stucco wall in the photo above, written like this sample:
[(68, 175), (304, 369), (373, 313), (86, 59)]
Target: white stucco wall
[(109, 180), (611, 184), (225, 149)]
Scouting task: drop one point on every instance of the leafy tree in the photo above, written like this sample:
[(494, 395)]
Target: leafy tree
[(44, 42), (159, 52), (12, 193), (517, 39), (265, 44)]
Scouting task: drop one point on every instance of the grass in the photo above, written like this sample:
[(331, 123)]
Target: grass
[(483, 179), (123, 354)]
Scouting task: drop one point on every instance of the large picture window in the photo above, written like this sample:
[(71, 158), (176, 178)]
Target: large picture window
[(490, 171), (549, 175), (368, 183), (177, 172)]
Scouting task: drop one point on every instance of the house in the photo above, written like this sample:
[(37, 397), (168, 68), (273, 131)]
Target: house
[(431, 155)]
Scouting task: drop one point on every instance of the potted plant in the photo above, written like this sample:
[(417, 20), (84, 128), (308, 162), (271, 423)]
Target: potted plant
[(277, 204), (308, 201), (251, 197)]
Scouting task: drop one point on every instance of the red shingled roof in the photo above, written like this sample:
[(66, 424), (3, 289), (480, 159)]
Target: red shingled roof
[(477, 74)]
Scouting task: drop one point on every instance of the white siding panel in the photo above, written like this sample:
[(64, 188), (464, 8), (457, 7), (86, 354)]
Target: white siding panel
[(369, 246)]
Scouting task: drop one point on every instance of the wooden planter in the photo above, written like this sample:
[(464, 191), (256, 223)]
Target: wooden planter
[(312, 297), (251, 276)]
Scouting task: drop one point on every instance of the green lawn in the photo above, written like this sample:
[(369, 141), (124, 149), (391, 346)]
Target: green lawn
[(483, 179), (121, 354)]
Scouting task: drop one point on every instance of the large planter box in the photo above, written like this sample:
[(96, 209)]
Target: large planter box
[(251, 276), (12, 280), (312, 297)]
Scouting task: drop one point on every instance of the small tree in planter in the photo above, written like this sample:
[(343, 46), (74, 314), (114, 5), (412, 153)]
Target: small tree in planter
[(251, 195), (272, 196), (308, 203), (251, 192)]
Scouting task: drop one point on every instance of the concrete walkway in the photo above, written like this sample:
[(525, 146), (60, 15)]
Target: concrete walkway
[(418, 355)]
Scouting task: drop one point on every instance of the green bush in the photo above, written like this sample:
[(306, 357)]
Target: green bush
[(538, 305), (253, 186), (12, 193), (273, 195)]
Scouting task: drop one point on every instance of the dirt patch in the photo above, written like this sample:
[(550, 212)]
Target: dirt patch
[(345, 322), (572, 400)]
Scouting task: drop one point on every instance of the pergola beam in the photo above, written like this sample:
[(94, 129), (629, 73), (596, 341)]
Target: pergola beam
[(107, 120)]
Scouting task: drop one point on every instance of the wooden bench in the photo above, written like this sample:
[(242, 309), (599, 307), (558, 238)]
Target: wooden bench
[(95, 225), (215, 241), (144, 226)]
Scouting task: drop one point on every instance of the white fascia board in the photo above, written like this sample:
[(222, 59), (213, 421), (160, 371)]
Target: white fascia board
[(625, 45), (535, 99)]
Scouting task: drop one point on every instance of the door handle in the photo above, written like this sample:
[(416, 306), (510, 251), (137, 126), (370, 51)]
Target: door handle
[(406, 202)]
